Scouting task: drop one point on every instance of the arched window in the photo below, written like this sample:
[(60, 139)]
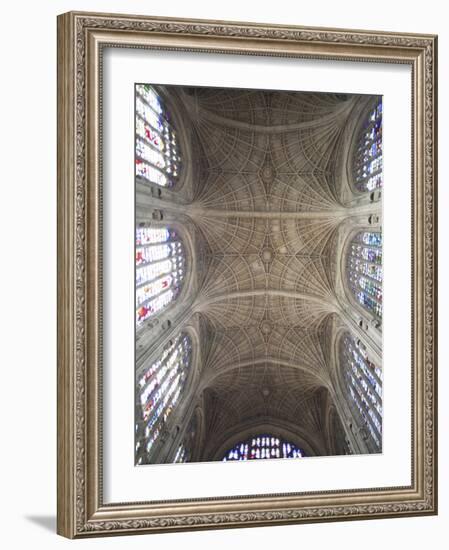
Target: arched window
[(363, 381), (263, 446), (364, 270), (368, 156), (157, 153), (159, 389), (160, 267)]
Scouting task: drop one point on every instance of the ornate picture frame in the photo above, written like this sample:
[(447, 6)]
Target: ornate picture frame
[(82, 39)]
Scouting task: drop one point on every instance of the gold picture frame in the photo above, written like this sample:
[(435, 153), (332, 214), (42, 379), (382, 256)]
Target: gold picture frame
[(81, 40)]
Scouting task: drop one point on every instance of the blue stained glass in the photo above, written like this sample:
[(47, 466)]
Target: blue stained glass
[(364, 382), (368, 161), (364, 270), (263, 447)]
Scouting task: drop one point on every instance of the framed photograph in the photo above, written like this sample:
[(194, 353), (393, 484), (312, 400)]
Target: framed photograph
[(246, 274)]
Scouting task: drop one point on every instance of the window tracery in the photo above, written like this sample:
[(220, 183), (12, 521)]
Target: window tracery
[(160, 269), (364, 270), (363, 379), (159, 389), (368, 161), (158, 158), (262, 447)]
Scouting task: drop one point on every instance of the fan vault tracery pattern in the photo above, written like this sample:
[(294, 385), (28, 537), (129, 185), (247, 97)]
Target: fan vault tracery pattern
[(266, 205)]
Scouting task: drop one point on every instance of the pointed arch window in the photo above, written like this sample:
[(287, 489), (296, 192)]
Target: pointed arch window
[(368, 156), (262, 447), (160, 268), (158, 158), (159, 389), (363, 380), (364, 270)]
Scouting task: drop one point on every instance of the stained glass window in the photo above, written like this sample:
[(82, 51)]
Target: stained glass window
[(364, 269), (364, 382), (160, 267), (159, 389), (368, 157), (185, 448), (158, 159), (181, 454), (262, 447)]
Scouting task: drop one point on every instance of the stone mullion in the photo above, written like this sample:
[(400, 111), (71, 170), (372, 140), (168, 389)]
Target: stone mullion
[(373, 373), (358, 285), (366, 396), (358, 256), (366, 409)]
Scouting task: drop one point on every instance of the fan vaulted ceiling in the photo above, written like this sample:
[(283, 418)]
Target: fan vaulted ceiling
[(266, 204)]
